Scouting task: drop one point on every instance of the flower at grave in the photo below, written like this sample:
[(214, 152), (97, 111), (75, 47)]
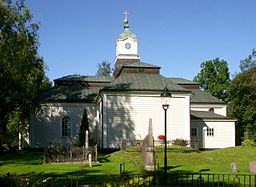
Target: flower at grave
[(161, 138)]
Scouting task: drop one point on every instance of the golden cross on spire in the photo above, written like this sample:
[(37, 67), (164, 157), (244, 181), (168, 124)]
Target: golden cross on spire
[(126, 14)]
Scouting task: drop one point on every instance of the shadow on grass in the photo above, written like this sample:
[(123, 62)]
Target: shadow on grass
[(31, 158), (169, 167), (104, 159)]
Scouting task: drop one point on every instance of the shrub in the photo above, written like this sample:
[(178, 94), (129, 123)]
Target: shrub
[(180, 142), (249, 143)]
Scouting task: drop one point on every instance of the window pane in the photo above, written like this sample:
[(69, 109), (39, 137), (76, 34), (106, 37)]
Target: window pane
[(66, 126), (210, 131), (193, 132)]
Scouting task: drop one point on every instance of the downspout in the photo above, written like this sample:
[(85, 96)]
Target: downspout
[(102, 124)]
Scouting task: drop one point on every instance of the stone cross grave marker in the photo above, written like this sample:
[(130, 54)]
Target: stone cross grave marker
[(234, 167), (148, 157)]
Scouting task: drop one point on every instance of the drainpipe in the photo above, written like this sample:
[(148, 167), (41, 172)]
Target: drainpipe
[(102, 124)]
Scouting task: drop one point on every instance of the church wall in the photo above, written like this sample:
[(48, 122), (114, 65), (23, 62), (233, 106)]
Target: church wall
[(46, 125), (127, 118), (223, 133)]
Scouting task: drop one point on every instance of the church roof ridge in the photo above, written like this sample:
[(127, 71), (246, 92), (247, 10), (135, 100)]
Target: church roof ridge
[(179, 80), (140, 64), (85, 78)]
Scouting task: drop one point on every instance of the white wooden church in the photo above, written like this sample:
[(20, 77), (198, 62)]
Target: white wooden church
[(119, 107)]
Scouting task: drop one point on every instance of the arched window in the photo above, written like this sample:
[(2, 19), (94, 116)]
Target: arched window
[(66, 126)]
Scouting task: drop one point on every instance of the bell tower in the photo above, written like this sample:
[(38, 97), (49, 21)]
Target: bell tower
[(126, 45)]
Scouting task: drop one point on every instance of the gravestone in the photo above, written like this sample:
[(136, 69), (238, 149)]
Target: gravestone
[(123, 144), (253, 167), (148, 156), (86, 144), (234, 167), (246, 135), (90, 159)]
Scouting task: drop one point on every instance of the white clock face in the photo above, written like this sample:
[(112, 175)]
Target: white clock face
[(128, 46)]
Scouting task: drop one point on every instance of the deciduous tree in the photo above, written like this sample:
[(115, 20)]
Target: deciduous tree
[(242, 96), (22, 74), (214, 78), (248, 62)]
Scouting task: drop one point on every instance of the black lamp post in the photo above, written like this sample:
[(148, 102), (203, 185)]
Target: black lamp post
[(165, 96)]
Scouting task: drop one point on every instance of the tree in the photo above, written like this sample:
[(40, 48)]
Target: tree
[(214, 78), (248, 62), (242, 96), (83, 128), (104, 69), (22, 74)]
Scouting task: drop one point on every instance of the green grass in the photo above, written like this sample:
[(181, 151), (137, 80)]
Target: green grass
[(218, 161), (25, 163)]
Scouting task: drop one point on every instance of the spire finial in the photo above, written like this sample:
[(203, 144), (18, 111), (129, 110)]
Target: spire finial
[(126, 18)]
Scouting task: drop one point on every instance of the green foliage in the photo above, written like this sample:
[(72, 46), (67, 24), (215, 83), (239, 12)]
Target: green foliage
[(248, 62), (248, 143), (214, 78), (22, 74), (83, 127), (104, 69), (180, 142), (242, 95)]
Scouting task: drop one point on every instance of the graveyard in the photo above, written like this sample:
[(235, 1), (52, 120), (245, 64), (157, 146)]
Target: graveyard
[(189, 161)]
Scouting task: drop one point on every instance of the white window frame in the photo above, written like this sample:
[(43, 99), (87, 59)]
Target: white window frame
[(68, 125), (210, 131)]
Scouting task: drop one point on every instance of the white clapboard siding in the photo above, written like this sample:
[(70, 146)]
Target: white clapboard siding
[(46, 125), (224, 134), (128, 117)]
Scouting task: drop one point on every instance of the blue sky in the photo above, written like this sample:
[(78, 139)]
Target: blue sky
[(177, 35)]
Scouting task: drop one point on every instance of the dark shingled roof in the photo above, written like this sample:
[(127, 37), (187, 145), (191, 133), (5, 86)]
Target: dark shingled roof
[(82, 78), (118, 67), (182, 81), (207, 115), (70, 93), (200, 96), (147, 82), (140, 65)]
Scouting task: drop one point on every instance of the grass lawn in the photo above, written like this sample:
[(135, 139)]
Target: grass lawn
[(217, 161)]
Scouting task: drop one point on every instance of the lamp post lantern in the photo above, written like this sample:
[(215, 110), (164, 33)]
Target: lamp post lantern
[(165, 96)]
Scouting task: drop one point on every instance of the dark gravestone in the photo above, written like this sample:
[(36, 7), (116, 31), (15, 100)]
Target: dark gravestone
[(253, 167), (123, 144)]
